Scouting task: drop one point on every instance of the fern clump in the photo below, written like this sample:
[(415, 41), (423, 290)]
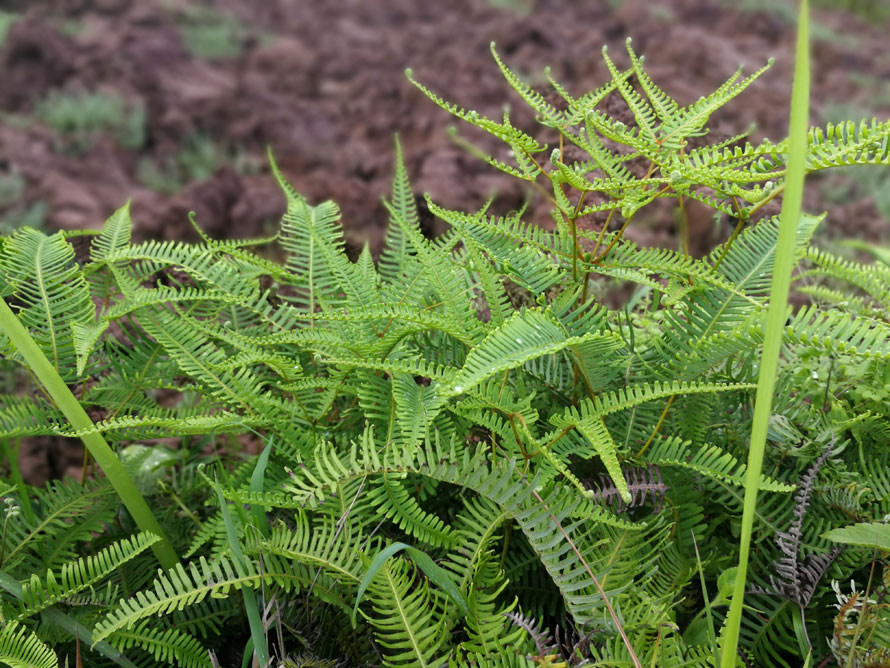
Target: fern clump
[(460, 439)]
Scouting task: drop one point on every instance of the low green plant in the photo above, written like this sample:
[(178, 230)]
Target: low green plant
[(14, 212), (7, 19), (210, 34), (197, 160), (12, 185), (467, 458), (785, 11), (80, 117), (871, 10), (33, 215)]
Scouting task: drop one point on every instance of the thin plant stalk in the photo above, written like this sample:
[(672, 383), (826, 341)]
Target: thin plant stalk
[(75, 414), (775, 322)]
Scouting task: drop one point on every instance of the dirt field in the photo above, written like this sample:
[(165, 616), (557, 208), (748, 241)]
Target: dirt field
[(183, 98)]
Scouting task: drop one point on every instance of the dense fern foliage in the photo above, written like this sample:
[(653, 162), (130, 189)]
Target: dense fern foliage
[(503, 447)]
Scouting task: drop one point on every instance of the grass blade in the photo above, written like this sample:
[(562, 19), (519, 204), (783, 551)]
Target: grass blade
[(257, 479), (95, 443), (434, 572), (775, 321), (257, 632)]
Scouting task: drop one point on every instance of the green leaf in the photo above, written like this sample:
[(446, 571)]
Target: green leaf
[(434, 572), (522, 338), (864, 534), (257, 633), (775, 322), (256, 486)]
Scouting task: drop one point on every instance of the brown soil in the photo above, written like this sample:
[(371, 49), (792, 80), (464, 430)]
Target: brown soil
[(322, 84)]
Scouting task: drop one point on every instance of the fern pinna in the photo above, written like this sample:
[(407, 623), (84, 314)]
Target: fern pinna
[(567, 471)]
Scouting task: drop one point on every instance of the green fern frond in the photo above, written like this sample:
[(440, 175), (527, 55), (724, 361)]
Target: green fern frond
[(391, 497), (488, 629), (115, 235), (709, 461), (406, 614), (548, 115), (49, 292), (183, 587), (21, 648), (520, 143), (691, 120), (872, 279), (394, 256), (65, 513), (520, 339), (168, 645), (76, 576)]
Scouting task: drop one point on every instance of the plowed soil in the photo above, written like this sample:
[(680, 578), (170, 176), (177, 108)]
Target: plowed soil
[(322, 84)]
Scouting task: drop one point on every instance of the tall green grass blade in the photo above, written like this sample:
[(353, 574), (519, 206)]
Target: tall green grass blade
[(775, 321), (256, 487), (257, 632), (95, 443)]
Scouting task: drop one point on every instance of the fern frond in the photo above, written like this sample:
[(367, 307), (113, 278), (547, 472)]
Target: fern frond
[(547, 114), (76, 576), (394, 502), (709, 461), (169, 645), (520, 339), (394, 256), (21, 648), (49, 292), (873, 279), (406, 614), (488, 628), (691, 120), (185, 586), (115, 235)]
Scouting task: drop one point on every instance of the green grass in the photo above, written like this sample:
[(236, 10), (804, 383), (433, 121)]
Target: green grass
[(12, 185), (518, 6), (197, 160), (775, 324), (63, 397), (15, 212), (80, 117), (212, 35), (785, 11), (6, 21)]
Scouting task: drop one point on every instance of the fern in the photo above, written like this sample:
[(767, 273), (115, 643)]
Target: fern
[(553, 419), (20, 648), (76, 576)]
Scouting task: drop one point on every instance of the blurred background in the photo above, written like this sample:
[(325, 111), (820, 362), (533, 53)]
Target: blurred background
[(172, 104)]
